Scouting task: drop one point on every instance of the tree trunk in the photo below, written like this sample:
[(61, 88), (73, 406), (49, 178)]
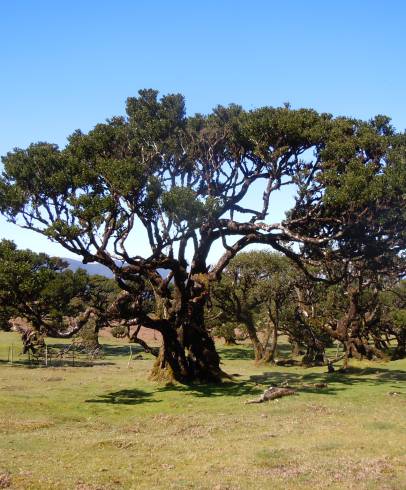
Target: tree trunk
[(259, 350), (297, 349), (272, 350), (314, 356), (89, 334), (188, 352), (400, 350), (268, 351)]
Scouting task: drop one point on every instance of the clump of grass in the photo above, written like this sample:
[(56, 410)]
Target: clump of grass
[(117, 443), (271, 458), (380, 425)]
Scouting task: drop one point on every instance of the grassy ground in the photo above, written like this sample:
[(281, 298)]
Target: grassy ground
[(108, 427)]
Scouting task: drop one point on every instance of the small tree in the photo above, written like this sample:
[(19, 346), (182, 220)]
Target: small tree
[(255, 290), (55, 301), (395, 324)]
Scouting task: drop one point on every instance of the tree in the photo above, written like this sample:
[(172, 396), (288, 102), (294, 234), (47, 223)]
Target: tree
[(186, 182), (315, 304), (100, 294), (55, 301), (395, 319), (392, 318), (254, 293)]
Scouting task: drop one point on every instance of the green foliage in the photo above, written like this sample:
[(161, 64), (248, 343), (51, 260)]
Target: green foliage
[(181, 204), (119, 331), (157, 163), (42, 290), (256, 290)]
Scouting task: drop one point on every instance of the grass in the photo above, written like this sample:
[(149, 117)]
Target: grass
[(107, 427)]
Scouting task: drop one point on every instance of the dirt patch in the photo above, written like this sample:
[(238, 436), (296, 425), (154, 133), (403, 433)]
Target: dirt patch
[(317, 409), (11, 425), (117, 443), (372, 469), (86, 486), (5, 480)]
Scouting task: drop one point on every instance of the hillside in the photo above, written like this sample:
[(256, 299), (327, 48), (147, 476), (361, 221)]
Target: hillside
[(92, 269), (97, 269)]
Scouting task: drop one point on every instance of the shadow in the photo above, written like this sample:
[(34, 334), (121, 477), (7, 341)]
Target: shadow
[(125, 397), (235, 353), (111, 350), (380, 373), (283, 350), (240, 352), (335, 382), (227, 388), (56, 363), (16, 362), (299, 383), (106, 350)]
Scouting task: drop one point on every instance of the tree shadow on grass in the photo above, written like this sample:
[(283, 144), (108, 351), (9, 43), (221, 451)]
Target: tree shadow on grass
[(56, 363), (235, 353), (241, 352), (381, 374), (111, 350), (125, 397), (227, 388), (335, 382)]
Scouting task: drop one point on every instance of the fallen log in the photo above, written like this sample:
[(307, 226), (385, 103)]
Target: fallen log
[(272, 393)]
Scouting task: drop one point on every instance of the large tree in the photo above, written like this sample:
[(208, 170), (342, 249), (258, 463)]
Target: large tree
[(186, 181)]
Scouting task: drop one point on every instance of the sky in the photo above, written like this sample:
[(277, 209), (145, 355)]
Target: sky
[(71, 64)]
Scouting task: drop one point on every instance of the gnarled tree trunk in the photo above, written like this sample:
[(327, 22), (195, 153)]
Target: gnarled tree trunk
[(188, 351), (400, 350)]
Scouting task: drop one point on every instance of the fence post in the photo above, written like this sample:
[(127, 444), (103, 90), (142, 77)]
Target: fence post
[(130, 358), (46, 355), (12, 353)]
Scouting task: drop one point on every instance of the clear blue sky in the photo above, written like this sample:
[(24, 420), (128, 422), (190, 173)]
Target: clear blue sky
[(70, 64)]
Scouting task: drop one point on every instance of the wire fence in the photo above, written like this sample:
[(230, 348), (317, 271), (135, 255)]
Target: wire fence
[(74, 354)]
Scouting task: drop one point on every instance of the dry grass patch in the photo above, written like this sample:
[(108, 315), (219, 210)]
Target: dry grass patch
[(14, 425)]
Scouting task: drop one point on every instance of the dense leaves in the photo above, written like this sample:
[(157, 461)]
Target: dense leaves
[(52, 299)]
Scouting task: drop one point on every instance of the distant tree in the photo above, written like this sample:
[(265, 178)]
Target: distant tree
[(100, 294), (392, 324), (54, 300), (186, 180), (255, 290), (315, 303), (354, 311)]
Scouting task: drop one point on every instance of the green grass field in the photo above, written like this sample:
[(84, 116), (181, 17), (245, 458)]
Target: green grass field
[(107, 427)]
